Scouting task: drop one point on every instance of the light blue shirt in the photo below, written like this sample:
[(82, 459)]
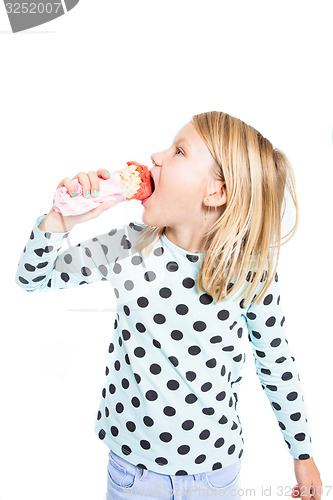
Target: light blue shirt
[(169, 402)]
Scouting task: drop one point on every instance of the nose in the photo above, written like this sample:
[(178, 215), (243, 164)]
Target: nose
[(155, 158)]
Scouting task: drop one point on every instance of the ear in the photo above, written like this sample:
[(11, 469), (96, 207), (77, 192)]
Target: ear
[(216, 196)]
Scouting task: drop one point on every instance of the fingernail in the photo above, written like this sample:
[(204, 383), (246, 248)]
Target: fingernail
[(87, 193), (73, 193), (106, 174), (95, 192)]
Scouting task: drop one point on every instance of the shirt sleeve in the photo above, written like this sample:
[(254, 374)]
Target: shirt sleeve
[(277, 370), (42, 268)]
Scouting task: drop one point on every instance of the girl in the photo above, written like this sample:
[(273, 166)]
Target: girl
[(192, 281)]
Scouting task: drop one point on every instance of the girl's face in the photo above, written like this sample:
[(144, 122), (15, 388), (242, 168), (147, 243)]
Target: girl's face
[(182, 174)]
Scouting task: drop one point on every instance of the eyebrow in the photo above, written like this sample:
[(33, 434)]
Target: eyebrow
[(182, 139)]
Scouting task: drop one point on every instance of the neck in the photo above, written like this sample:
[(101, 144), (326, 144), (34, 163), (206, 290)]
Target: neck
[(191, 237)]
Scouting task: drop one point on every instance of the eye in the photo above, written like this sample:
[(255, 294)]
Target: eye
[(179, 151)]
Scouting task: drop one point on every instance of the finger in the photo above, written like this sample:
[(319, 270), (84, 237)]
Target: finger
[(68, 183), (101, 207), (103, 173), (85, 183), (94, 183), (317, 492), (295, 492)]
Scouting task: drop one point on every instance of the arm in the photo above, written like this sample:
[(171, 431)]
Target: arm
[(43, 268), (278, 374), (277, 370)]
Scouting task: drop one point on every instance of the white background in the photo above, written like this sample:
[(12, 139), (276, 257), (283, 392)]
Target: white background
[(115, 81)]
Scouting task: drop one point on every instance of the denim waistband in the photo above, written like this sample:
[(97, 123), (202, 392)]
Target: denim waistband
[(235, 467)]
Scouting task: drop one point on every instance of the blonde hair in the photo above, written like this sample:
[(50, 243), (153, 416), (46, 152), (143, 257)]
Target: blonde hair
[(244, 241)]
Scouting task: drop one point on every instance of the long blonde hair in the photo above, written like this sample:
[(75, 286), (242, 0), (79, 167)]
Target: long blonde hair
[(244, 243)]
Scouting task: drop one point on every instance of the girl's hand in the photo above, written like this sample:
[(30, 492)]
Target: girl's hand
[(90, 188), (55, 222), (308, 478)]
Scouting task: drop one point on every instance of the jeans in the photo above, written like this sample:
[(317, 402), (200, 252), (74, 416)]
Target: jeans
[(126, 480)]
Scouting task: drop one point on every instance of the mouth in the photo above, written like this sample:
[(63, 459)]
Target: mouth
[(152, 185)]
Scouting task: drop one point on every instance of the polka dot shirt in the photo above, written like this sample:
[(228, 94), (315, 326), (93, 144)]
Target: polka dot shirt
[(169, 401)]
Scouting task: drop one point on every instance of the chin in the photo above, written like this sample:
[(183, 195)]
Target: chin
[(152, 221)]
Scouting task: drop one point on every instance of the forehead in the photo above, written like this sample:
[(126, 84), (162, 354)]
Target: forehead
[(189, 136)]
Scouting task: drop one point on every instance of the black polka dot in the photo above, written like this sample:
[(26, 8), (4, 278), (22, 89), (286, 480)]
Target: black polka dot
[(223, 314), (181, 309), (173, 385), (136, 260), (155, 369), (292, 396), (188, 283), (169, 411), (139, 352), (172, 266), (129, 285), (183, 449), (23, 280), (149, 276), (176, 335), (85, 271), (165, 293), (275, 342), (29, 267), (271, 321), (208, 411), (199, 326), (219, 442), (126, 449), (217, 466), (188, 425), (191, 398), (151, 395), (165, 437), (159, 319), (114, 431), (204, 434), (268, 299), (126, 334), (148, 421), (102, 434), (205, 299), (131, 426), (145, 444), (158, 251), (211, 363), (194, 350), (117, 268), (142, 302), (119, 407), (216, 339), (191, 376)]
